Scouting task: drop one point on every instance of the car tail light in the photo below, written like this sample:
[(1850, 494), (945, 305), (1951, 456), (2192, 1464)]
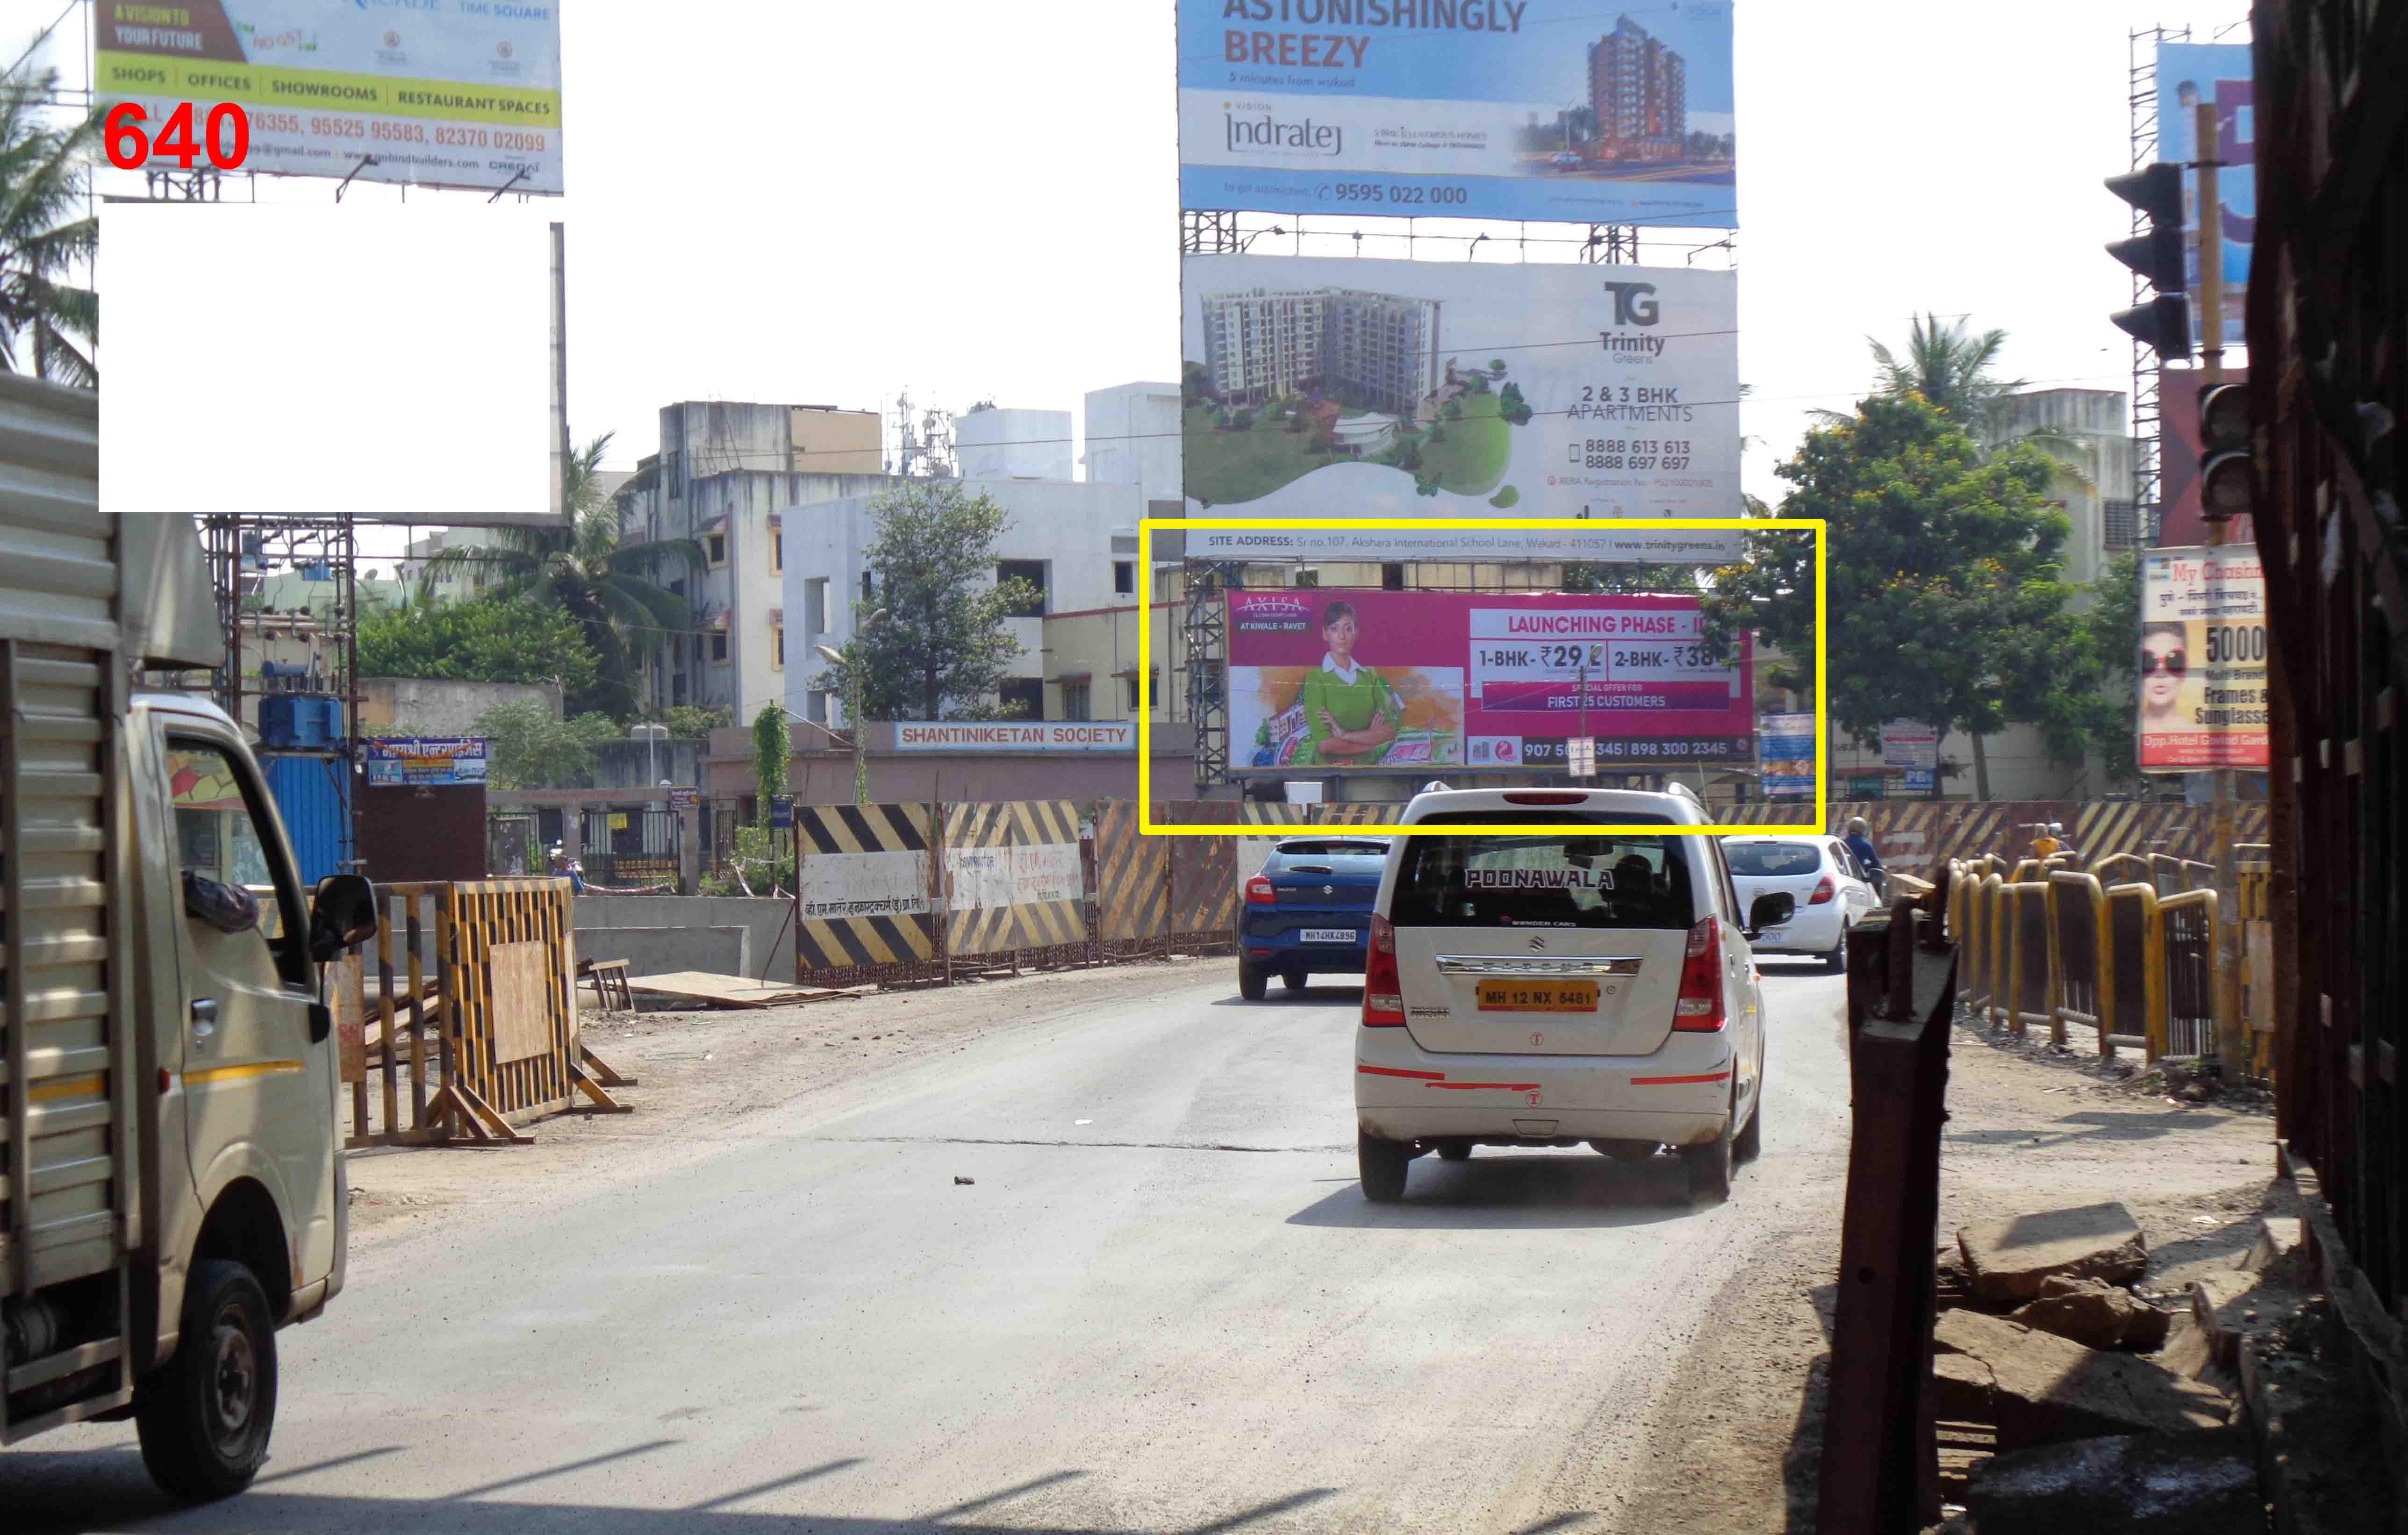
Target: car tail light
[(1700, 1010), (1542, 798), (1824, 891), (1259, 892), (1383, 994)]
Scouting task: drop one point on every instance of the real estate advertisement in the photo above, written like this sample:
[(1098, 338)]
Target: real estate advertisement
[(1467, 108), (1327, 679), (2202, 662), (2219, 75), (1326, 387), (465, 96)]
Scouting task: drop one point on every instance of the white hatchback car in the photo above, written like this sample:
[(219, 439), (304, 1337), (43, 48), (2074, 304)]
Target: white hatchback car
[(1819, 873), (1557, 986)]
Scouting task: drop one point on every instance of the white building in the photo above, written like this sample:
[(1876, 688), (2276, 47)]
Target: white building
[(724, 473), (1076, 542), (1006, 444), (1133, 439)]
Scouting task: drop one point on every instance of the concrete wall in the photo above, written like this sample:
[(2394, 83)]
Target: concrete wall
[(416, 706), (1132, 439), (664, 951), (1005, 443), (769, 940)]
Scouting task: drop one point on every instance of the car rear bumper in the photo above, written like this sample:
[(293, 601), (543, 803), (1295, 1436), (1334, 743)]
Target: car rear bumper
[(1286, 952), (1678, 1096), (1812, 931)]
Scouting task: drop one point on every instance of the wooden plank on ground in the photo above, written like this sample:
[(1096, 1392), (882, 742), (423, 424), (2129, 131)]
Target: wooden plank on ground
[(731, 991)]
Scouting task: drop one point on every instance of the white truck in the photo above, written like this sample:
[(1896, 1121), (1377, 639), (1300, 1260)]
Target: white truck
[(171, 1191)]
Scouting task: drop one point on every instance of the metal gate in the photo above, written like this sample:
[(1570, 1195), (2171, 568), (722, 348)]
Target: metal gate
[(631, 847), (514, 845)]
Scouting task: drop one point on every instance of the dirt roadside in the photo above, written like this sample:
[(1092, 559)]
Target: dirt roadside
[(1737, 1445), (698, 1071)]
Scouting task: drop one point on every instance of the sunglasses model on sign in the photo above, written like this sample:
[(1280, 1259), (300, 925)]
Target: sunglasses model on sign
[(2164, 663)]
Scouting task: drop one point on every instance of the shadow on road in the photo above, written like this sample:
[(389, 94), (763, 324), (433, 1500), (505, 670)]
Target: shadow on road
[(1505, 1190), (1335, 994), (83, 1492)]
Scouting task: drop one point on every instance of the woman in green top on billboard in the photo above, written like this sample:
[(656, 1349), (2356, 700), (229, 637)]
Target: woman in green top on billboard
[(1351, 712)]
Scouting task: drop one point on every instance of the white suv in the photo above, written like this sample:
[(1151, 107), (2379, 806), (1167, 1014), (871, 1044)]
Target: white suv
[(1558, 987)]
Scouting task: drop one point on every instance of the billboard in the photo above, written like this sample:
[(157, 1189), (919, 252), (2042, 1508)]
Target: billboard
[(2190, 75), (1332, 680), (1466, 108), (465, 96), (2178, 455), (1906, 743), (1787, 745), (421, 760), (1329, 387), (1647, 546), (2202, 662)]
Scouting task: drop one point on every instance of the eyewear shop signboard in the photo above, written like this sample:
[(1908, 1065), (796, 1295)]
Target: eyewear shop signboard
[(2202, 659), (1555, 110), (425, 762), (1330, 387), (1346, 680), (466, 94)]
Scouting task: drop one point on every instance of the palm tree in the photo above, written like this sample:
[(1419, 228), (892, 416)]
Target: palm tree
[(589, 572), (48, 324), (1952, 368)]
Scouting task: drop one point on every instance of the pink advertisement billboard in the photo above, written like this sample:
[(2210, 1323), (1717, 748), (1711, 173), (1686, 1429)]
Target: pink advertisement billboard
[(1330, 679)]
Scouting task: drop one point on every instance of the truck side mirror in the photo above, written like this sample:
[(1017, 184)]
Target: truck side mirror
[(1770, 910), (343, 913)]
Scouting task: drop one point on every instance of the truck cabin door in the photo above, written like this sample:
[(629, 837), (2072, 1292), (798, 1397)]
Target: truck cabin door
[(259, 1069)]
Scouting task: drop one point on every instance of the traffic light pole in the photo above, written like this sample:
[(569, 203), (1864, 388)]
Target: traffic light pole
[(2232, 1032)]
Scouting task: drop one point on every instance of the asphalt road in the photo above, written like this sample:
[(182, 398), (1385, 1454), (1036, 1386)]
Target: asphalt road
[(1162, 1306)]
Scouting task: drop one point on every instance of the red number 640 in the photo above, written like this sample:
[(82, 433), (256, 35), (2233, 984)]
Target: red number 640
[(226, 142)]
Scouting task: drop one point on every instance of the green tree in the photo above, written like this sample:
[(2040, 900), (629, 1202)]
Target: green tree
[(610, 587), (1945, 600), (531, 750), (770, 749), (694, 721), (2111, 631), (489, 640), (1955, 368), (1513, 407), (946, 640), (49, 325)]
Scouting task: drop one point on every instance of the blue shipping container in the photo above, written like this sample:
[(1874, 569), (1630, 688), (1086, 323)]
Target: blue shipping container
[(313, 795)]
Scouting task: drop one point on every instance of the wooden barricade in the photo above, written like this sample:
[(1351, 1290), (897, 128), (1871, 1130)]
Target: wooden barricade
[(468, 1024), (2255, 915)]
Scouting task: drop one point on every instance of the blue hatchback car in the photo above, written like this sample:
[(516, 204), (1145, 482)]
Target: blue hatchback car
[(1309, 911)]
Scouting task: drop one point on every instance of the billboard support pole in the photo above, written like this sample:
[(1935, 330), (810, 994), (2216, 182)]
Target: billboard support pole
[(2231, 1043)]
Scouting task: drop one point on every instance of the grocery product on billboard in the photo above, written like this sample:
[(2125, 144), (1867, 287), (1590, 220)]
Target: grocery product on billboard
[(2217, 75), (1326, 387), (2179, 450), (1465, 109), (467, 96), (2202, 662), (1787, 754), (1332, 679)]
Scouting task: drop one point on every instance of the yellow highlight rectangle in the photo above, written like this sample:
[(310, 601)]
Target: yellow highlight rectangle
[(1146, 528)]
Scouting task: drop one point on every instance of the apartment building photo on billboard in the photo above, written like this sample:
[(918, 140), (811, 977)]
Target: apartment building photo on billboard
[(1377, 350), (1638, 94)]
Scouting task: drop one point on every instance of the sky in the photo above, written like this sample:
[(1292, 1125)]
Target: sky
[(830, 204)]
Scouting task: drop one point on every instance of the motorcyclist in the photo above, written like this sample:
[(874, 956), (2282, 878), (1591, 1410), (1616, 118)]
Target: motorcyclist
[(1859, 841)]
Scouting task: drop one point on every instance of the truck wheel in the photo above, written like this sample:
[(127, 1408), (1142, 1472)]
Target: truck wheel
[(1381, 1164), (204, 1419), (1251, 981)]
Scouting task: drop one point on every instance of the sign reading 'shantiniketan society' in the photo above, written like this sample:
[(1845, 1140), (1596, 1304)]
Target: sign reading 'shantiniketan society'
[(1048, 736), (1559, 110)]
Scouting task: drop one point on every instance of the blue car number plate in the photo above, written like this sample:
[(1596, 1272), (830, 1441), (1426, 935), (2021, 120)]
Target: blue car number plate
[(1328, 935)]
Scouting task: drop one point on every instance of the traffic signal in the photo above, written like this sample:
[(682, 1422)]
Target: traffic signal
[(2164, 322), (2228, 475)]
